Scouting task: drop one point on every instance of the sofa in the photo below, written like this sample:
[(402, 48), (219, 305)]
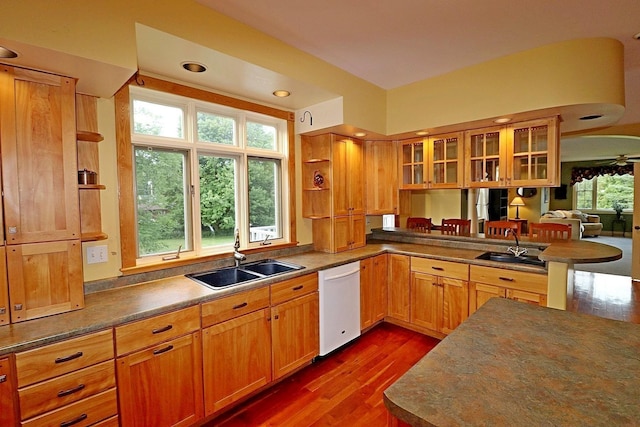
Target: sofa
[(582, 225)]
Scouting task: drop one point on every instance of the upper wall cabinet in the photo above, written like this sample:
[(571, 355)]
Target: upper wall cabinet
[(431, 163), (381, 177), (521, 154)]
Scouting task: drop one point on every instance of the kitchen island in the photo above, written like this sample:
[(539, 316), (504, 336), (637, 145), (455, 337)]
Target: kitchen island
[(514, 364)]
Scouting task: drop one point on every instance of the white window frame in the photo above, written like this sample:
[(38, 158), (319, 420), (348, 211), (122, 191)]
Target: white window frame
[(594, 190)]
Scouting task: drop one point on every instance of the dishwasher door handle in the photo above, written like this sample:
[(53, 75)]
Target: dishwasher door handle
[(340, 276)]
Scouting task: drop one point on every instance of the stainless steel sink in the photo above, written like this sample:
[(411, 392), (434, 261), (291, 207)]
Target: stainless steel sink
[(230, 276), (510, 258)]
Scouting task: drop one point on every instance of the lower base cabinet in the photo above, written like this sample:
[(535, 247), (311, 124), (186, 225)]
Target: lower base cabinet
[(8, 415), (399, 280), (373, 290)]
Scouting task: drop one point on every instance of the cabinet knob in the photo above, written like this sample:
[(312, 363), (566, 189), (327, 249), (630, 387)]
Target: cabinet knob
[(637, 227)]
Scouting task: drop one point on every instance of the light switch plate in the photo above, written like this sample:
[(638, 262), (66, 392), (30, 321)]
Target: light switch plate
[(96, 254)]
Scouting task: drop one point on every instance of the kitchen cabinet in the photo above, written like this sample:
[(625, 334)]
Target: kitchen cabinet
[(8, 408), (295, 323), (517, 155), (333, 191), (489, 282), (381, 177), (439, 294), (40, 189), (434, 162), (88, 138), (4, 288), (373, 290), (159, 370), (398, 279), (236, 347), (68, 383)]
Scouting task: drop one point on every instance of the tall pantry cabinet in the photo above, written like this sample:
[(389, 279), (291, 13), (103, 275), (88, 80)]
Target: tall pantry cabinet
[(39, 182)]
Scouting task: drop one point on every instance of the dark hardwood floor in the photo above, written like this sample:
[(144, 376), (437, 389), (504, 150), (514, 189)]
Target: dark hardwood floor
[(345, 389)]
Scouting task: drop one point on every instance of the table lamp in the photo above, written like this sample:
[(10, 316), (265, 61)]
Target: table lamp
[(517, 202)]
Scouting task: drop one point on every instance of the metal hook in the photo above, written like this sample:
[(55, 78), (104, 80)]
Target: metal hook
[(139, 80), (310, 117)]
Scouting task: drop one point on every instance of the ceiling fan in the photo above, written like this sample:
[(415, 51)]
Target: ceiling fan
[(621, 160)]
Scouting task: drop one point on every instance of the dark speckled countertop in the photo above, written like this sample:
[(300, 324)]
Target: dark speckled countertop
[(112, 307), (514, 364)]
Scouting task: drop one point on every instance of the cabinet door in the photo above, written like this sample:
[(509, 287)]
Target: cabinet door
[(8, 416), (398, 280), (381, 177), (379, 295), (340, 172), (4, 288), (357, 231), (533, 153), (480, 293), (485, 150), (412, 160), (366, 292), (426, 300), (236, 359), (39, 169), (528, 297), (445, 161), (355, 176), (342, 233), (162, 386), (455, 303), (294, 334), (45, 278)]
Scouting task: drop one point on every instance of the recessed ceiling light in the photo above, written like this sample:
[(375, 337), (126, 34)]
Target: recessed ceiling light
[(281, 93), (194, 67), (359, 134), (422, 133), (7, 53), (591, 117), (502, 120)]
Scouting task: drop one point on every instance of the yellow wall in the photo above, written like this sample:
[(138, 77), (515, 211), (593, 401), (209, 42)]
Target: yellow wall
[(437, 204)]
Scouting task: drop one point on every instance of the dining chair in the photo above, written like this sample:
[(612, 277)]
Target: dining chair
[(457, 227), (549, 231), (500, 229), (422, 225)]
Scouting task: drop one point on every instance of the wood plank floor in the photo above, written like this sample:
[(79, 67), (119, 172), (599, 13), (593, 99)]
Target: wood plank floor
[(346, 388)]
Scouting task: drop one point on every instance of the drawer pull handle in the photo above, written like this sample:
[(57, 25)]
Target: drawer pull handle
[(506, 279), (68, 358), (236, 307), (67, 392), (162, 350), (161, 330), (297, 288), (438, 268), (72, 422), (3, 378)]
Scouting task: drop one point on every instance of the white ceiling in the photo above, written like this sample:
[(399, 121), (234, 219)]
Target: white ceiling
[(391, 44)]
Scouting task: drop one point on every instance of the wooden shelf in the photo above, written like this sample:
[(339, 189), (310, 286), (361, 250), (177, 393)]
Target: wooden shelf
[(316, 160), (93, 237), (89, 136), (316, 189), (91, 187)]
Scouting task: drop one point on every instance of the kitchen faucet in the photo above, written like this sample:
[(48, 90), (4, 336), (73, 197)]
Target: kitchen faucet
[(237, 256), (517, 251)]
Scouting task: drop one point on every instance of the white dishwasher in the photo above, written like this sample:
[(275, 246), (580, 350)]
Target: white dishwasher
[(339, 306)]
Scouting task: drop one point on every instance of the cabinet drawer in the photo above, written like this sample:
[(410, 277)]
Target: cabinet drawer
[(60, 391), (293, 288), (148, 332), (109, 422), (63, 357), (436, 267), (234, 305), (79, 414), (521, 280)]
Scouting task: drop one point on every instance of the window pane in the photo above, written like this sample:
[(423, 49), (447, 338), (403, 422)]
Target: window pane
[(216, 129), (615, 188), (157, 119), (161, 201), (584, 194), (261, 136), (217, 200), (264, 199)]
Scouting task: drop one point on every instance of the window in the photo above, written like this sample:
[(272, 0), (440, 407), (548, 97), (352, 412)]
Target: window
[(202, 170), (602, 192)]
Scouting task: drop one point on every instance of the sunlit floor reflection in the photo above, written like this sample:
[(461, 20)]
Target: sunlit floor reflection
[(606, 295)]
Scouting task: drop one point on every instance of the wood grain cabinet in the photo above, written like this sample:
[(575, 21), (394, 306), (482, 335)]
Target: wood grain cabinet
[(435, 162), (40, 189), (439, 294), (4, 289), (373, 290), (8, 408), (68, 383), (236, 343), (381, 177), (489, 282), (295, 323), (333, 191), (159, 370), (398, 279)]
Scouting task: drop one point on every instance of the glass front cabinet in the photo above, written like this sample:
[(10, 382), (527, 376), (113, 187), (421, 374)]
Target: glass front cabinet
[(433, 162)]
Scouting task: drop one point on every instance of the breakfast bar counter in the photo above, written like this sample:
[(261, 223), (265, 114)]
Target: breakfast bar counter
[(515, 364)]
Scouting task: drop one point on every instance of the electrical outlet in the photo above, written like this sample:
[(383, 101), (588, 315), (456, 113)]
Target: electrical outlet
[(96, 254)]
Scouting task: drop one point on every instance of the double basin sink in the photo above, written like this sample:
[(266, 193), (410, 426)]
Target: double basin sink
[(230, 276), (511, 258)]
